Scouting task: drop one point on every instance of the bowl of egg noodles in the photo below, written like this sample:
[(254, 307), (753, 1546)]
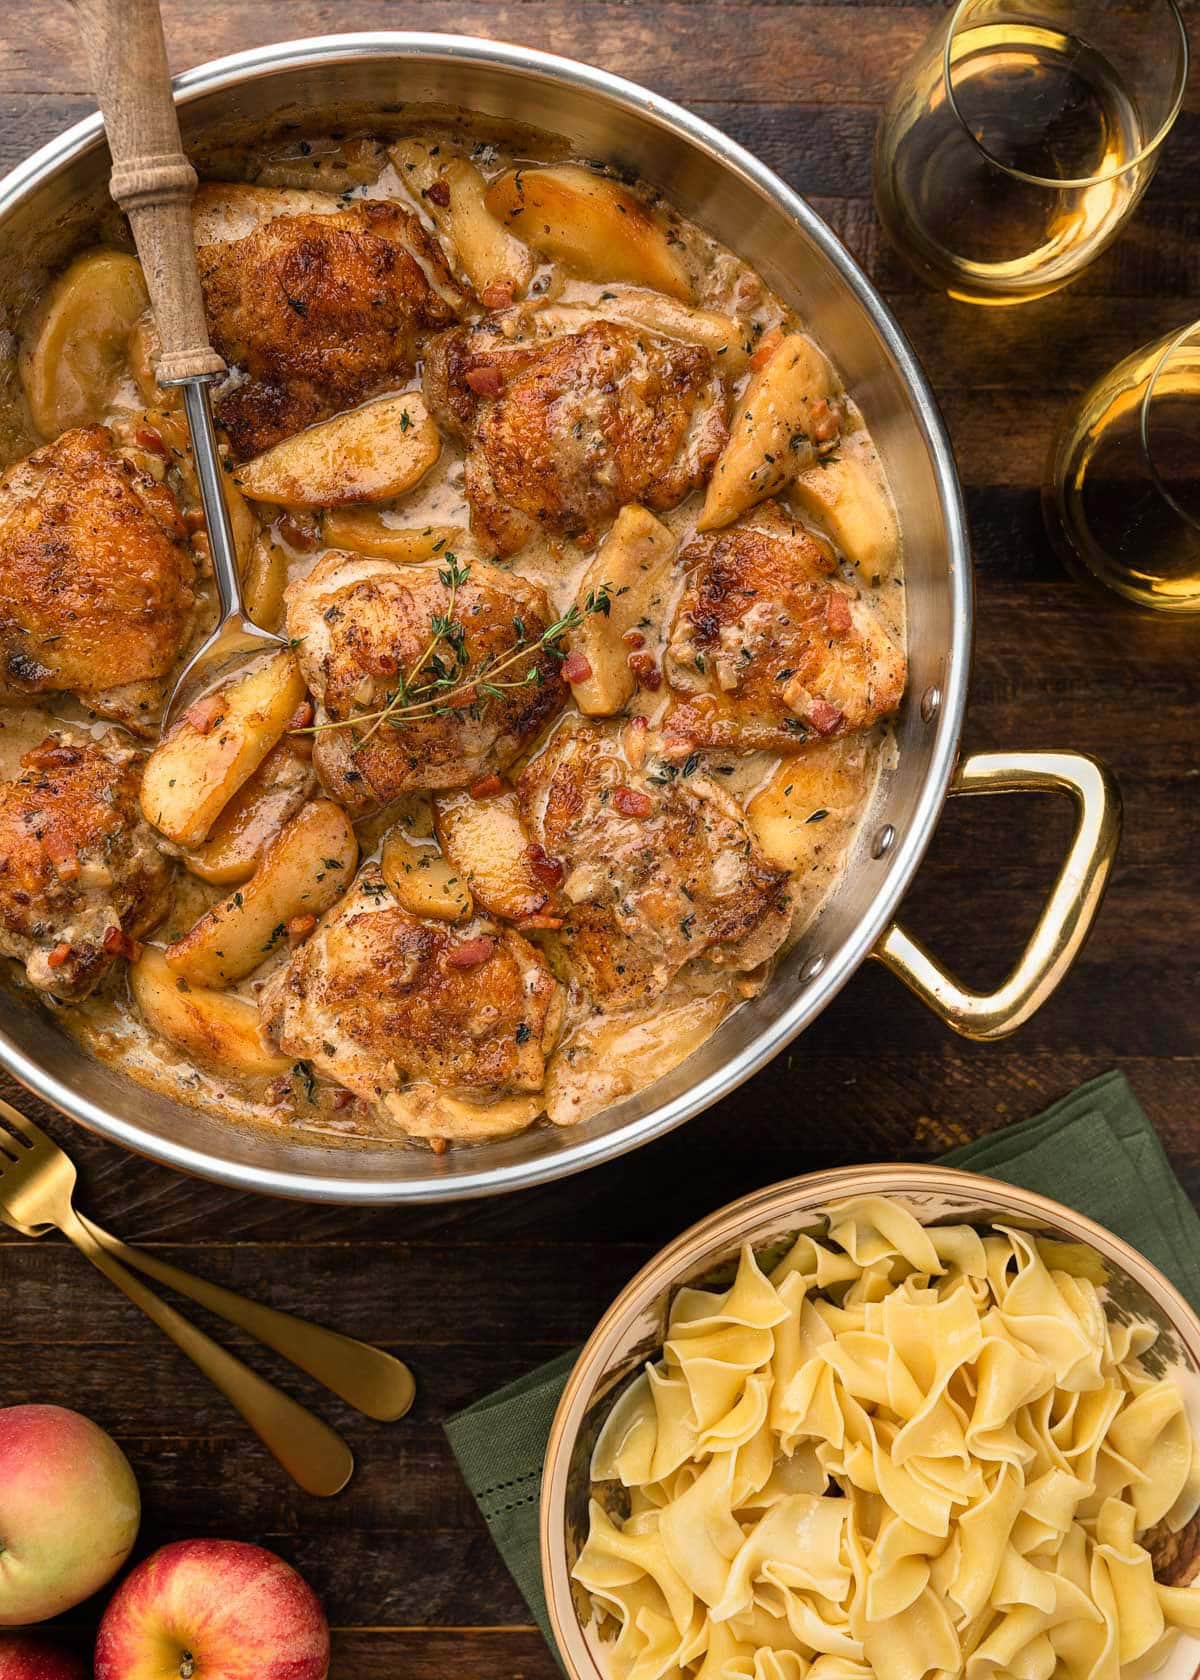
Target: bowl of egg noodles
[(877, 1424)]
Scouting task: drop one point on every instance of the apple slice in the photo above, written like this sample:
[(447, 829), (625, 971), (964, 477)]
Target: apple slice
[(78, 344), (485, 841), (305, 869), (364, 532), (423, 881), (216, 746), (633, 565), (216, 1029), (370, 454), (591, 224)]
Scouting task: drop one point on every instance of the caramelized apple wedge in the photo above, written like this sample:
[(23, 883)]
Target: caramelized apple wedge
[(807, 809), (784, 414), (253, 817), (218, 1031), (487, 253), (369, 454), (364, 532), (485, 841), (591, 224), (847, 498), (217, 745), (77, 347), (423, 881), (305, 869), (633, 567)]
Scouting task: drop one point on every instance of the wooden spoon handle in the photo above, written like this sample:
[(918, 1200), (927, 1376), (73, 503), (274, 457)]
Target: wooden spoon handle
[(152, 180)]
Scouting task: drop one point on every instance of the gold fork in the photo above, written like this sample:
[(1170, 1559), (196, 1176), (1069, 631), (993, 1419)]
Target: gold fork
[(37, 1182)]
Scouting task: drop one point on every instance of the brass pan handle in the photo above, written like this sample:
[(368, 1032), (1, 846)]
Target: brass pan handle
[(1065, 922)]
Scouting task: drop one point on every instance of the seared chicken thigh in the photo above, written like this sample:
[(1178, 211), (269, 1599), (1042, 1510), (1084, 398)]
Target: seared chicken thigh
[(80, 874), (769, 648), (658, 869), (317, 311), (563, 431), (95, 577), (365, 627), (379, 999)]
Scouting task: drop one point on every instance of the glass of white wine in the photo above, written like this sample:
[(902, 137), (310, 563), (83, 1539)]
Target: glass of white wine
[(1122, 495), (1022, 136)]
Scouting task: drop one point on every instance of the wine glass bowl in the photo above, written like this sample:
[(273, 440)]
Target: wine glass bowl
[(1021, 137), (1122, 492)]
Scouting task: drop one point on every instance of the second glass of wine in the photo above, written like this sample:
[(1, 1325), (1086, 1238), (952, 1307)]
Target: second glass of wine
[(1021, 138)]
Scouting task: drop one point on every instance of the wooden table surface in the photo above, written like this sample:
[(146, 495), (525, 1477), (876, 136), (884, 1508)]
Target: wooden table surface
[(476, 1294)]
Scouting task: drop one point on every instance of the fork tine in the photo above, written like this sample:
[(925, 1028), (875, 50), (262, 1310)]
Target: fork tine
[(22, 1128)]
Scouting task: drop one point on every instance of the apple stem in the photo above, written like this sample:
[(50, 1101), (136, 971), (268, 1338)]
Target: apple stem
[(187, 1667)]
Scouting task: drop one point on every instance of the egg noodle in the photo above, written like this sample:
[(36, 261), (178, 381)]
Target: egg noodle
[(903, 1450)]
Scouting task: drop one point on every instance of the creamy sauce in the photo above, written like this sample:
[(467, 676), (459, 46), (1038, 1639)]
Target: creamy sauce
[(601, 1057)]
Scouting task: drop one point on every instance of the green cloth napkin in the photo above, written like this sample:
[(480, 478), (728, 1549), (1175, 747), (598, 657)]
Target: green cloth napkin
[(1095, 1151)]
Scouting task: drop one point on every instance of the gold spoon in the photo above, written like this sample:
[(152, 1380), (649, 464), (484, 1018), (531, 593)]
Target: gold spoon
[(154, 184)]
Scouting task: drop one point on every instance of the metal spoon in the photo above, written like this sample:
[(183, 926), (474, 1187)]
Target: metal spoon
[(154, 184)]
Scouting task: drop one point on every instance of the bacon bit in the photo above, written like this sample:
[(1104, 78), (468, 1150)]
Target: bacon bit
[(59, 955), (193, 521), (576, 668), (824, 717), (118, 944), (471, 952), (51, 755), (343, 1099), (438, 1145), (464, 698), (298, 930), (63, 856), (499, 295), (439, 194), (824, 421), (204, 714), (486, 381), (279, 1091), (296, 534), (631, 803), (384, 663), (645, 670), (677, 749), (151, 441), (302, 716), (767, 347), (485, 787), (634, 639), (838, 617), (548, 870), (529, 924)]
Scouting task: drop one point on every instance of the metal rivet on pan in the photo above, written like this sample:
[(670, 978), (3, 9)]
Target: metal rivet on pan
[(931, 703), (812, 968), (884, 841)]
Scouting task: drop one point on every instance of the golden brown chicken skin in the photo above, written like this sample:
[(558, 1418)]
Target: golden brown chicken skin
[(659, 868), (361, 625), (769, 648), (320, 311), (80, 874), (562, 432), (95, 578), (378, 998)]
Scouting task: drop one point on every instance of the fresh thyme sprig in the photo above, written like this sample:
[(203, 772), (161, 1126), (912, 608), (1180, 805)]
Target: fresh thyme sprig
[(412, 701)]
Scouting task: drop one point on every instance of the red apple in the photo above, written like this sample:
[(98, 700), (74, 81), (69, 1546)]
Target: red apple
[(68, 1511), (213, 1610), (36, 1659)]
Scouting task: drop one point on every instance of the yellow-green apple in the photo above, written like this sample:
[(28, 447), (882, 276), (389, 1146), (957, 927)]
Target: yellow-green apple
[(69, 1511), (24, 1658), (213, 1610)]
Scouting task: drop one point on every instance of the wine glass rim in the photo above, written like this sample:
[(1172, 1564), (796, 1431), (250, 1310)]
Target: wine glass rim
[(1191, 330), (1147, 150)]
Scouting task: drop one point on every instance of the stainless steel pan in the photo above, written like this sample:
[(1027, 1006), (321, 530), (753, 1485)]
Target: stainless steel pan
[(53, 204)]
